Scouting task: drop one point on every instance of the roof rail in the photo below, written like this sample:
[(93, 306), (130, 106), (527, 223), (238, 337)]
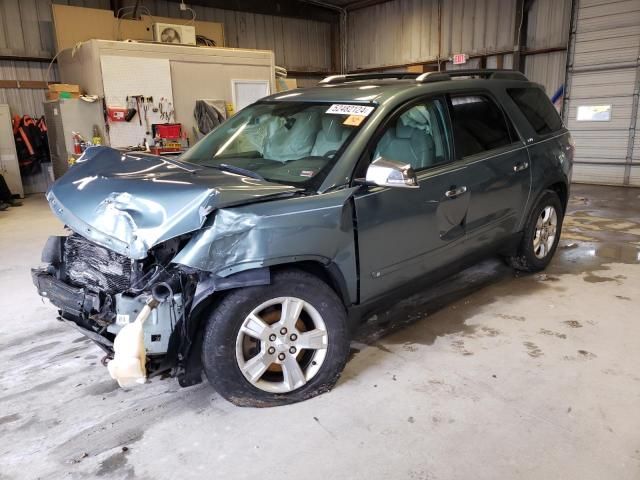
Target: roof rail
[(425, 77), (486, 73), (352, 77)]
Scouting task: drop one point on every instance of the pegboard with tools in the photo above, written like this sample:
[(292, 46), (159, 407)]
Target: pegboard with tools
[(138, 94)]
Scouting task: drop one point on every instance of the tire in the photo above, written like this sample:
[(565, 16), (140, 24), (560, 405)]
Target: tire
[(228, 351), (530, 256)]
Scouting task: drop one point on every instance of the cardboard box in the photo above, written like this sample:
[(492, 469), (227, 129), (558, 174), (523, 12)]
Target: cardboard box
[(79, 24), (59, 95), (64, 87), (415, 69)]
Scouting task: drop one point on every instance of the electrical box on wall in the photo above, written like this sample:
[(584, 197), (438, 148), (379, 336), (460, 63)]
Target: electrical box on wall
[(173, 33)]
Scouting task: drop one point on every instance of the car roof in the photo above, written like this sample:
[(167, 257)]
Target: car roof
[(361, 91), (378, 88)]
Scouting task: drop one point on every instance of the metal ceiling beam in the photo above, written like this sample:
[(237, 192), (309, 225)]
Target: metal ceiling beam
[(358, 4), (281, 8)]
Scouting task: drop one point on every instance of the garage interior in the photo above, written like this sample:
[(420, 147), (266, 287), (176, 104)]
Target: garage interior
[(489, 373)]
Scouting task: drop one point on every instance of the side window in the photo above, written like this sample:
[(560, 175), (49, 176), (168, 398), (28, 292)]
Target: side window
[(418, 137), (479, 125), (537, 108)]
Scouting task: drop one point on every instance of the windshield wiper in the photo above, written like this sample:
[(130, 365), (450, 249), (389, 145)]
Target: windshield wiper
[(239, 170)]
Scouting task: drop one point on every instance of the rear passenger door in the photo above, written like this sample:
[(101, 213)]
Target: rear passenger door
[(497, 174)]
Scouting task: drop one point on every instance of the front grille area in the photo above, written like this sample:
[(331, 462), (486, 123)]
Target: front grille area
[(96, 267)]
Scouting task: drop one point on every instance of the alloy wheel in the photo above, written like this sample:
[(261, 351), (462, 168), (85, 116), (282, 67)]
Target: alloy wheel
[(281, 344), (546, 228)]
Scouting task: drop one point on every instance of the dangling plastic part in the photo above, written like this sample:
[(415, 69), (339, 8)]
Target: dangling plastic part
[(128, 364)]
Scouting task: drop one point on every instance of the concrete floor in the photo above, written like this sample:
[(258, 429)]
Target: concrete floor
[(490, 375)]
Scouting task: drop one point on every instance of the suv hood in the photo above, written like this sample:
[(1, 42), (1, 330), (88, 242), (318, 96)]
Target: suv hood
[(131, 202)]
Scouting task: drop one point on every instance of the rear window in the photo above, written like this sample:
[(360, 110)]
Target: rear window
[(537, 108), (479, 125)]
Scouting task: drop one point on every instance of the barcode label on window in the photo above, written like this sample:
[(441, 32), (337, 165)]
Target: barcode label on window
[(339, 109)]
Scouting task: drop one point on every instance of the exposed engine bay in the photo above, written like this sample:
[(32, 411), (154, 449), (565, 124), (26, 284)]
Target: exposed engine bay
[(100, 291)]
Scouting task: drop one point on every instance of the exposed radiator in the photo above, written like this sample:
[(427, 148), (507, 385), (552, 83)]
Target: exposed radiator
[(96, 267)]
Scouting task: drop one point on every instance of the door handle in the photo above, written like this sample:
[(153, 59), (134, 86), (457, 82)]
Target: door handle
[(518, 167), (454, 192)]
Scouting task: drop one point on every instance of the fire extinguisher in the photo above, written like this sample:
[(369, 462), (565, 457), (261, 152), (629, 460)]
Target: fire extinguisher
[(77, 143)]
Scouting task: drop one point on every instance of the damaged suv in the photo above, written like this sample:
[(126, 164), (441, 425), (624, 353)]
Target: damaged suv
[(266, 242)]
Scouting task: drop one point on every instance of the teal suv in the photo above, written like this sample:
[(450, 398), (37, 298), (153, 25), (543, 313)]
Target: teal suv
[(267, 241)]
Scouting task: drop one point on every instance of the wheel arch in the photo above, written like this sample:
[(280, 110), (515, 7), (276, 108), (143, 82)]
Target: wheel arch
[(562, 190), (329, 273)]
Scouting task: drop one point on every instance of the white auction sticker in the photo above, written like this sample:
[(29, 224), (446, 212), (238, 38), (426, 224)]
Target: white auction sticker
[(339, 109)]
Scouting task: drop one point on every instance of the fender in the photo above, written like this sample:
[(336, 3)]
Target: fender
[(315, 228)]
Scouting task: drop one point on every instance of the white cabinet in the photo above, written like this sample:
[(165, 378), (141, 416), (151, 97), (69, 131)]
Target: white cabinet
[(9, 167)]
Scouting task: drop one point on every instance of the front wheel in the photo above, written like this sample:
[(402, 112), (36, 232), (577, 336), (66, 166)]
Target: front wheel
[(541, 234), (276, 344)]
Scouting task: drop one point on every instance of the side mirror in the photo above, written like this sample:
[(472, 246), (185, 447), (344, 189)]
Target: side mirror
[(387, 173)]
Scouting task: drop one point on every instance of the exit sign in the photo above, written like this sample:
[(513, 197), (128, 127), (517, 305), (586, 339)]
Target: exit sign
[(459, 58)]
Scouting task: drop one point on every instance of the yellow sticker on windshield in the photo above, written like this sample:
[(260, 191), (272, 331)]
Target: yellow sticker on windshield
[(353, 120)]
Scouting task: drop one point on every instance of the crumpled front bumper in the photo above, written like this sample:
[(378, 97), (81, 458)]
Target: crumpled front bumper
[(75, 300)]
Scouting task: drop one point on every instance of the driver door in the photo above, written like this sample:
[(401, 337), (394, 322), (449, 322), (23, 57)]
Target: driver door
[(404, 233)]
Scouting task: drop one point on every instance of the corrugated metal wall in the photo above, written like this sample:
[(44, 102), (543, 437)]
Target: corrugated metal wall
[(605, 70), (26, 29), (406, 31), (548, 27), (302, 45)]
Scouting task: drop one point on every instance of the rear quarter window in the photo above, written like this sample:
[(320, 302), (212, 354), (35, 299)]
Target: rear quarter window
[(537, 109)]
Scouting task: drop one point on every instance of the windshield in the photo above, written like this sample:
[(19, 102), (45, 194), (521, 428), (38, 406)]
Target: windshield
[(294, 143)]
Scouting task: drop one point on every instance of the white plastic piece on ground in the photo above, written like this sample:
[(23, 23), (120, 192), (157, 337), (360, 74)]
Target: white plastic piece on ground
[(128, 364)]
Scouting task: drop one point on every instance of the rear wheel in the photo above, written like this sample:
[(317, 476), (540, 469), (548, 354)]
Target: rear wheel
[(276, 344), (541, 234)]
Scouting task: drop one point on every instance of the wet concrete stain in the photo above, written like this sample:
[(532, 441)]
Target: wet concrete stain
[(458, 346), (67, 352), (35, 389), (116, 463), (518, 318), (543, 277), (352, 353), (43, 347), (582, 355), (573, 323), (102, 388), (490, 332), (551, 333), (127, 425), (533, 350), (586, 354), (593, 278), (32, 337), (444, 308), (409, 347), (14, 417), (381, 347)]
